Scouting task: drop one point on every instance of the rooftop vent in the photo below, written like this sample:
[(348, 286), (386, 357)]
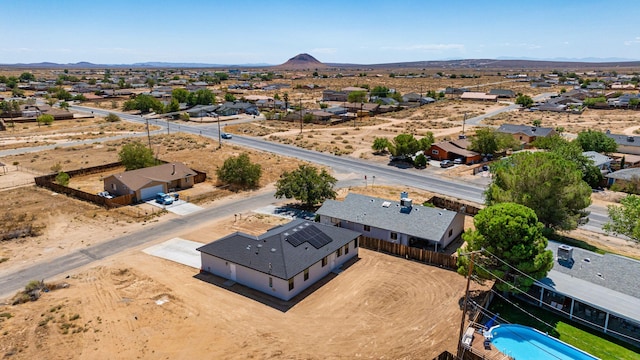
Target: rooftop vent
[(406, 202), (565, 253), (404, 195), (630, 139), (386, 204), (533, 128), (273, 249)]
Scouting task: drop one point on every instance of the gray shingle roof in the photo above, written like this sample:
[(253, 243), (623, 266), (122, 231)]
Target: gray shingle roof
[(422, 222), (625, 174), (625, 139), (525, 129), (616, 288), (271, 253), (597, 158)]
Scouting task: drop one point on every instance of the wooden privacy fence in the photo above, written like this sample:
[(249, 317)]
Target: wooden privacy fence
[(455, 205), (425, 256), (46, 181)]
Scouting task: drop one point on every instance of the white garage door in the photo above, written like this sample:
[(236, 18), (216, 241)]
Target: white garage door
[(150, 192)]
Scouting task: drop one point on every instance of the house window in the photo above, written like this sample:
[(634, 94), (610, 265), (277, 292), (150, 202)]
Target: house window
[(113, 186), (346, 249), (186, 180), (355, 243), (394, 236), (290, 284), (270, 282), (324, 261), (367, 228), (450, 232), (520, 137), (339, 252), (435, 152), (306, 274)]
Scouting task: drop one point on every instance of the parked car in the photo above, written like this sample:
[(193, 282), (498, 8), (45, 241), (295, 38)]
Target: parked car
[(226, 136), (458, 161), (446, 163), (164, 199), (105, 194)]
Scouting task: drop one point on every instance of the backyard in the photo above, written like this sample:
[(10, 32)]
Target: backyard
[(584, 338)]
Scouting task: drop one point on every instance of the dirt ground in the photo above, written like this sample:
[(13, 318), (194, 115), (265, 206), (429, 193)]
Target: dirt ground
[(133, 305), (137, 305)]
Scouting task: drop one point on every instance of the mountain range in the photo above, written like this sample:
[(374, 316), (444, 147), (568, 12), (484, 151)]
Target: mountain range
[(306, 62)]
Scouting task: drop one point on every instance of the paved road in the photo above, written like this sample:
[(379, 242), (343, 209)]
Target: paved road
[(478, 119), (11, 282)]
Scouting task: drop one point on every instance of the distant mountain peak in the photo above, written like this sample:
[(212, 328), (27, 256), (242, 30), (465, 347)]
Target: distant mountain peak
[(302, 61)]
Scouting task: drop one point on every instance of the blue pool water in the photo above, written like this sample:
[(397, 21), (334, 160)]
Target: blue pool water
[(525, 343)]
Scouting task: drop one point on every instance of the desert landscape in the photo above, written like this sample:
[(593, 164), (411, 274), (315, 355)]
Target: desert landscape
[(134, 305)]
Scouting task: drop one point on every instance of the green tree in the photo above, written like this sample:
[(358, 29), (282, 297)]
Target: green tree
[(307, 118), (135, 155), (426, 141), (594, 101), (64, 105), (380, 144), (46, 119), (592, 140), (285, 97), (404, 145), (571, 150), (489, 141), (380, 91), (420, 161), (27, 76), (625, 218), (544, 181), (181, 95), (143, 103), (524, 100), (357, 97), (307, 185), (537, 122), (229, 97), (172, 106), (111, 117), (512, 233), (201, 97), (633, 103), (239, 171), (62, 178)]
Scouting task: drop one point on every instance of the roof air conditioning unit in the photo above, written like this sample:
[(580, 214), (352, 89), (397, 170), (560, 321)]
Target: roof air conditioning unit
[(565, 253)]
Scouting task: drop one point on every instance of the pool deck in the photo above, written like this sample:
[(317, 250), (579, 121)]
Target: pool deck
[(477, 347)]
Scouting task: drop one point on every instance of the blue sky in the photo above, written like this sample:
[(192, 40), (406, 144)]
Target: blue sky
[(359, 32)]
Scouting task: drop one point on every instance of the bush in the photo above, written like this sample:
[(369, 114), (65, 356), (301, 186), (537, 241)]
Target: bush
[(63, 178), (112, 118)]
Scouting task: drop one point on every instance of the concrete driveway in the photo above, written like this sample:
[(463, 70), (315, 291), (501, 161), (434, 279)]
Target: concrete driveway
[(179, 207), (178, 250)]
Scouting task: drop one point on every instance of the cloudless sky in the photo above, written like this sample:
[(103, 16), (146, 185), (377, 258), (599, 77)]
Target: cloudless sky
[(357, 32)]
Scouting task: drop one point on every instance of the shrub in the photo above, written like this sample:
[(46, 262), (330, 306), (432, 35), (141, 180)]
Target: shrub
[(112, 118)]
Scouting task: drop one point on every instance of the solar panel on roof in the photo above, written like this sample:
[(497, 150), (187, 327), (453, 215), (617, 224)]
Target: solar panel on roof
[(309, 234)]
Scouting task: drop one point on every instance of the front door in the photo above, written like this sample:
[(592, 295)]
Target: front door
[(232, 272)]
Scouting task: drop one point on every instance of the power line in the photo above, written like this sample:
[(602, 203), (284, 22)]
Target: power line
[(598, 326), (536, 300)]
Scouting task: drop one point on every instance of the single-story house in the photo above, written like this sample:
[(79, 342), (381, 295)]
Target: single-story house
[(524, 133), (454, 149), (398, 222), (283, 261), (147, 182), (478, 96), (624, 176), (599, 290), (503, 93), (332, 95), (602, 162), (626, 144)]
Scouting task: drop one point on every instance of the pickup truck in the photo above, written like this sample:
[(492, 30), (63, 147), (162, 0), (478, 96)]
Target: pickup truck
[(164, 199)]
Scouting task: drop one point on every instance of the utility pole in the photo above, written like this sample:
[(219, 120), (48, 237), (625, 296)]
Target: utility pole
[(219, 133), (466, 300), (148, 134), (300, 104)]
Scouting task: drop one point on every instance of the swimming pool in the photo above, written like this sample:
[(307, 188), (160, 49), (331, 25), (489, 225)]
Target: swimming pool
[(525, 343)]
